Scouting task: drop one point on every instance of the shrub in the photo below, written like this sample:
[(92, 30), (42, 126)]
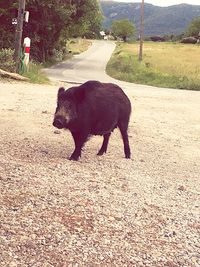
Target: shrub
[(58, 55), (6, 60)]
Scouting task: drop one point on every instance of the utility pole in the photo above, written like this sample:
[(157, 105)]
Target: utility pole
[(18, 33), (141, 31)]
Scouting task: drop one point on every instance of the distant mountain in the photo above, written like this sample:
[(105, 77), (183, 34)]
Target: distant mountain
[(158, 20)]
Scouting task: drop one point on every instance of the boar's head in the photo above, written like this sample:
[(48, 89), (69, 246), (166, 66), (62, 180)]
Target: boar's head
[(65, 110)]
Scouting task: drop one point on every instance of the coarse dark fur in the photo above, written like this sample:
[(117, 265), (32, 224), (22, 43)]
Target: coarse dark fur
[(93, 108)]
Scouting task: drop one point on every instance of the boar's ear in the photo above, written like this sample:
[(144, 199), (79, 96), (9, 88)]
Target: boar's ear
[(61, 90)]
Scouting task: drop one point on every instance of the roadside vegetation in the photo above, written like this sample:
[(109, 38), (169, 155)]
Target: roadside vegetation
[(35, 74), (6, 59), (171, 65)]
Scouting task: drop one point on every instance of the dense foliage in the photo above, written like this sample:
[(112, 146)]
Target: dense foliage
[(7, 30), (51, 23), (6, 60)]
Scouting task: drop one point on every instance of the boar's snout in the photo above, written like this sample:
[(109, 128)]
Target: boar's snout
[(58, 122)]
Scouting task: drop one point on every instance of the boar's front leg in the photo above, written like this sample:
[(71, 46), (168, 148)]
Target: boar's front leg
[(79, 141)]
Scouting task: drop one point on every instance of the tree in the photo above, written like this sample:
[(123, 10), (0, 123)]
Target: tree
[(194, 28), (50, 23), (46, 23), (90, 24), (123, 29), (7, 30)]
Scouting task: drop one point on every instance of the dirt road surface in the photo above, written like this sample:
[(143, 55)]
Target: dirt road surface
[(100, 211)]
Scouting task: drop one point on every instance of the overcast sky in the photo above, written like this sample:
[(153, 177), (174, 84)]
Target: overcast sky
[(164, 2)]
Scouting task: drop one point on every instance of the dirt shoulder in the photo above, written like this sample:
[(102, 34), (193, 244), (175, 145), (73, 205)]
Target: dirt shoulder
[(100, 211)]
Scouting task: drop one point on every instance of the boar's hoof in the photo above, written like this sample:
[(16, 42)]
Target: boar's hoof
[(128, 156), (74, 157), (100, 153)]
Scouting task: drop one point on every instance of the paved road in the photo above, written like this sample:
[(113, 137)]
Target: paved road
[(91, 65), (86, 66)]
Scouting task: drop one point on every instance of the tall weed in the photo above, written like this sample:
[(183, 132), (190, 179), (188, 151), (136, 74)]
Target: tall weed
[(35, 74)]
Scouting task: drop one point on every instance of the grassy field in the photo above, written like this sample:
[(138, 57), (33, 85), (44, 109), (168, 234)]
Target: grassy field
[(170, 65)]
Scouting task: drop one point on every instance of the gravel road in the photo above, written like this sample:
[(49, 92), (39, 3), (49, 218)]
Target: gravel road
[(100, 211)]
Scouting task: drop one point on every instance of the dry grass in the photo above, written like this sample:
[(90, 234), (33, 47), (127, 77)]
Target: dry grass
[(171, 58), (170, 65)]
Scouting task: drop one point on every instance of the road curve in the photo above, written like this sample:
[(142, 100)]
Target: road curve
[(89, 65)]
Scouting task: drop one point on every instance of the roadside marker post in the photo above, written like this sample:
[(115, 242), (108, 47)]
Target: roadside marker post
[(27, 46)]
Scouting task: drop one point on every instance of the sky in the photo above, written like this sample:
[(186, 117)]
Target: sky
[(164, 2)]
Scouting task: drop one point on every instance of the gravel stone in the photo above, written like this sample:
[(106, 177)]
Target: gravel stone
[(100, 211)]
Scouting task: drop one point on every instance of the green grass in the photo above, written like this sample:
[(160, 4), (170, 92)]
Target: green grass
[(164, 65), (35, 74)]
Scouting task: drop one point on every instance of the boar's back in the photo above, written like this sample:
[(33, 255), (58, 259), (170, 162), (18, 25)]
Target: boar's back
[(100, 106)]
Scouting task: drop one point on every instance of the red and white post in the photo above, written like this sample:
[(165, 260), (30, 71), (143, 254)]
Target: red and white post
[(27, 47)]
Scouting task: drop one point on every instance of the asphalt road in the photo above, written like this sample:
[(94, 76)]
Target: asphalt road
[(89, 65)]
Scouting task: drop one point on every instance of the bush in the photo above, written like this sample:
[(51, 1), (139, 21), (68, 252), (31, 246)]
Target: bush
[(58, 55), (6, 60)]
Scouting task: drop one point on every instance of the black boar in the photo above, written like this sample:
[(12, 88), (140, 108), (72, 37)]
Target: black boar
[(93, 108)]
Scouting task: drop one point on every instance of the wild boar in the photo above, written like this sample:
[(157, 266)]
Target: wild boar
[(93, 108)]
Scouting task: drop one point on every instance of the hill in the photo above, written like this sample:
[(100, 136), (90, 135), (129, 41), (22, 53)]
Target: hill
[(158, 20)]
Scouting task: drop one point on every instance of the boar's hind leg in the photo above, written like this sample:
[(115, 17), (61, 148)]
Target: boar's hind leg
[(79, 140), (104, 146), (123, 129)]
